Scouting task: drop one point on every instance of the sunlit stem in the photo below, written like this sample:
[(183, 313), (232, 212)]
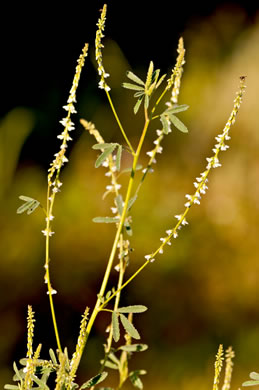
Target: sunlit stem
[(47, 276), (98, 304), (117, 300), (119, 123)]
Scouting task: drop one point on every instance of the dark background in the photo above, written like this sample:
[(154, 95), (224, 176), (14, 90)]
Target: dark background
[(205, 291)]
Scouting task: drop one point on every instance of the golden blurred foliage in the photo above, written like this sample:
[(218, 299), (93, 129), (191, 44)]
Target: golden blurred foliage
[(204, 289)]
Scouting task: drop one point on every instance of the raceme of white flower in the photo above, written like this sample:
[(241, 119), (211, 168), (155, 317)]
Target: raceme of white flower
[(98, 50), (201, 182)]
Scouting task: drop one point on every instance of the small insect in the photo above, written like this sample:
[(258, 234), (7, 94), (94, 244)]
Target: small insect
[(242, 78)]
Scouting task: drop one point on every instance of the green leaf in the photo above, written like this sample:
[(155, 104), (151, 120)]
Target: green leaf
[(146, 101), (176, 109), (19, 374), (115, 327), (160, 81), (128, 228), (134, 87), (118, 158), (139, 94), (106, 219), (109, 364), (254, 375), (129, 327), (103, 146), (104, 155), (165, 124), (105, 388), (135, 78), (119, 204), (114, 358), (132, 201), (132, 309), (30, 205), (95, 380), (126, 170), (134, 347), (135, 380), (250, 383), (177, 123), (11, 387), (137, 105)]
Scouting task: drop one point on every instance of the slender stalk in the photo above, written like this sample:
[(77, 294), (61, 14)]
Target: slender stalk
[(98, 304), (47, 275), (119, 123), (117, 300)]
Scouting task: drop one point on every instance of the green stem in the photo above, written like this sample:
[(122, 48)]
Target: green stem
[(124, 284), (98, 304), (119, 123), (47, 276)]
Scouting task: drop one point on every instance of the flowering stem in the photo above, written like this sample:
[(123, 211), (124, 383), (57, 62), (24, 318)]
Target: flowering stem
[(46, 266), (99, 305)]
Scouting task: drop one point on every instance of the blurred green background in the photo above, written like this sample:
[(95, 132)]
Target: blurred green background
[(204, 289)]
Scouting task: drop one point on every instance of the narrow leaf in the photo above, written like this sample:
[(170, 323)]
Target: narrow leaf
[(106, 219), (139, 94), (103, 146), (176, 109), (11, 387), (115, 327), (129, 327), (109, 364), (177, 123), (104, 155), (24, 207), (33, 207), (105, 388), (137, 105), (113, 358), (126, 170), (94, 381), (135, 78), (132, 309), (134, 347), (146, 101), (160, 81), (17, 375), (132, 201), (250, 383), (128, 228), (135, 380), (26, 198), (119, 203), (254, 375), (133, 86), (118, 158)]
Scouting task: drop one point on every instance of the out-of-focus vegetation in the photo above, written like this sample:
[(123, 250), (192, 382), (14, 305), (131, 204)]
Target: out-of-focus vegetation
[(204, 289)]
